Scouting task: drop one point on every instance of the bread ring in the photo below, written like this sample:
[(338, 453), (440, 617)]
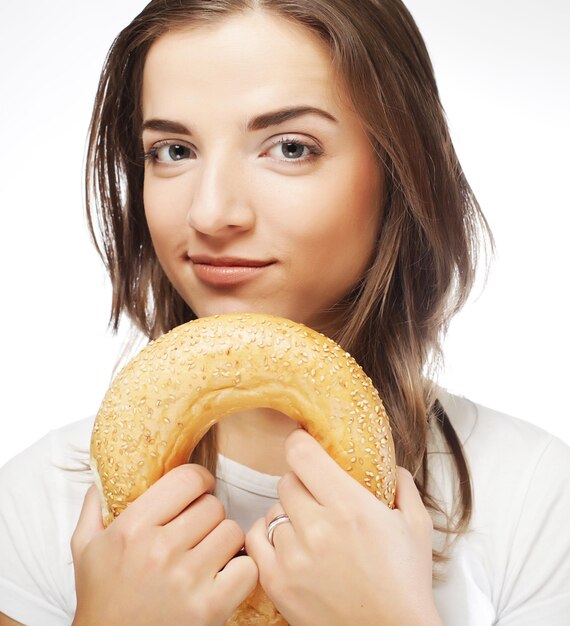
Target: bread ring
[(163, 402)]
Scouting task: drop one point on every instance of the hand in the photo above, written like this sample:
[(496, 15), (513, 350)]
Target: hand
[(345, 558), (167, 559)]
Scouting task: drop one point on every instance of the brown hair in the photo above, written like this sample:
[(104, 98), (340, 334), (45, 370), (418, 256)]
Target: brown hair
[(393, 321)]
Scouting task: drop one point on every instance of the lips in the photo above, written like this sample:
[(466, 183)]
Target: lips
[(228, 261), (227, 271)]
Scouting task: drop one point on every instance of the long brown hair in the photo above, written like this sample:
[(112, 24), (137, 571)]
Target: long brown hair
[(393, 321)]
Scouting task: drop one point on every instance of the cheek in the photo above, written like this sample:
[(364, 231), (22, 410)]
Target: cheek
[(362, 202), (336, 215), (164, 210), (349, 226)]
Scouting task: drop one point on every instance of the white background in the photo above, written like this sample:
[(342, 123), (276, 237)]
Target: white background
[(503, 68)]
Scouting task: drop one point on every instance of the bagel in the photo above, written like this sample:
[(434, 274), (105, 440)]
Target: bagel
[(163, 402)]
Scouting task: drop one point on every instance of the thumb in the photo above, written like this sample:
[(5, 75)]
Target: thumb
[(89, 524), (409, 500)]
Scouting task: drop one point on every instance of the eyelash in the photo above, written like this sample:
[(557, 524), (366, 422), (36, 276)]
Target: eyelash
[(314, 150)]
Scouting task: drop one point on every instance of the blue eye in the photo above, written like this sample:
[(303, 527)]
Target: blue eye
[(168, 152), (291, 151), (294, 151), (176, 153)]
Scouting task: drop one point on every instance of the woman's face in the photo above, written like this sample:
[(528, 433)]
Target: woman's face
[(261, 188)]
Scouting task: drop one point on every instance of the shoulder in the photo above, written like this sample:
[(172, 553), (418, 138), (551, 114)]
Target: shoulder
[(41, 494), (506, 456), (520, 477), (51, 472), (488, 435), (476, 423), (58, 457)]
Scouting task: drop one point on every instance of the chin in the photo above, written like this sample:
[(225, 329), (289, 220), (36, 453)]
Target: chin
[(223, 308), (229, 305)]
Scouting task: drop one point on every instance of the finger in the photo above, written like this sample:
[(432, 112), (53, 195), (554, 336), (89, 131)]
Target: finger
[(89, 524), (189, 528), (258, 547), (283, 532), (327, 482), (297, 500), (273, 512), (169, 496), (216, 549), (408, 499), (237, 580)]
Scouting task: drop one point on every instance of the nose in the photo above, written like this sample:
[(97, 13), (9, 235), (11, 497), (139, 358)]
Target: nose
[(220, 202)]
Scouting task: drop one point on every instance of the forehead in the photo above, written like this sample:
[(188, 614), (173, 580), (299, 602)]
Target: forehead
[(239, 65)]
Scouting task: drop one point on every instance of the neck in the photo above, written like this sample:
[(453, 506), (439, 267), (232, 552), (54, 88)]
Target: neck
[(256, 438)]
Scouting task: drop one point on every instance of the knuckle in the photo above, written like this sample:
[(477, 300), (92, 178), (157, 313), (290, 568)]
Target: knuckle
[(200, 611), (191, 478), (249, 568), (180, 580), (232, 530), (319, 537), (296, 448), (404, 473), (206, 609), (219, 613), (157, 553), (273, 512), (296, 563), (184, 577), (286, 482), (422, 523), (272, 581), (124, 535), (215, 505), (349, 517), (200, 470)]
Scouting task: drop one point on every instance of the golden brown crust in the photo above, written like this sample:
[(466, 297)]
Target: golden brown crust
[(257, 610), (164, 401)]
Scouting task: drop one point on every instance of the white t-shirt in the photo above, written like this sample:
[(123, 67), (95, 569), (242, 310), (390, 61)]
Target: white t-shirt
[(512, 569)]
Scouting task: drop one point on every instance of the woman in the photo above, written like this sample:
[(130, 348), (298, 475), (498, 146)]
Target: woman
[(292, 158)]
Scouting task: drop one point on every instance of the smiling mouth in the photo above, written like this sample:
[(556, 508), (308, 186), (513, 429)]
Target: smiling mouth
[(227, 271)]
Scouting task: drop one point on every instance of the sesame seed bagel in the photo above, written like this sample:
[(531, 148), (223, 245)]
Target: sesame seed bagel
[(163, 402)]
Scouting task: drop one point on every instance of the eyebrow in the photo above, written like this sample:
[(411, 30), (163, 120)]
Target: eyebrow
[(265, 120)]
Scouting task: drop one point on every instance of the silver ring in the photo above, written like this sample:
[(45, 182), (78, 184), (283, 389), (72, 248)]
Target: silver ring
[(280, 519)]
